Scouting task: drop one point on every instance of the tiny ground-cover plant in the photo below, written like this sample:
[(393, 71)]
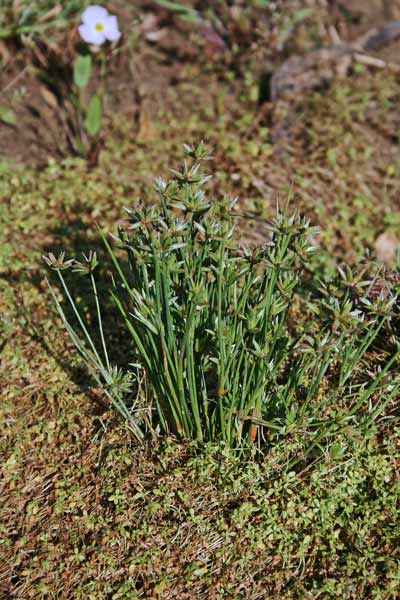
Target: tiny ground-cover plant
[(97, 28), (209, 322)]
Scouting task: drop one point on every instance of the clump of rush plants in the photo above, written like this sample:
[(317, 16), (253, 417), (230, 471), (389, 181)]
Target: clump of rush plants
[(213, 347)]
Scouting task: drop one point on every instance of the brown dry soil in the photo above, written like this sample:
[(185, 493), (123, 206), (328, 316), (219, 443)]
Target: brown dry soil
[(83, 513)]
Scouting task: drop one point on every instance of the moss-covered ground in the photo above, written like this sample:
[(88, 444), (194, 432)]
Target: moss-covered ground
[(84, 512)]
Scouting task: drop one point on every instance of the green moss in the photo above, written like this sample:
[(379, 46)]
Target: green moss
[(85, 514)]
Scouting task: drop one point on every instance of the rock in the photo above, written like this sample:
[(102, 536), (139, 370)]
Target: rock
[(386, 245)]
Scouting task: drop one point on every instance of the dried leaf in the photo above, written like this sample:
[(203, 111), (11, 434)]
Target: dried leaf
[(49, 97)]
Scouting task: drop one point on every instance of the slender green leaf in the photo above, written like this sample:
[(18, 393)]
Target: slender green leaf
[(82, 70), (93, 117)]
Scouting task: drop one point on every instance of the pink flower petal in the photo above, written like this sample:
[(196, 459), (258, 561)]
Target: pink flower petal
[(93, 14), (111, 30), (91, 36)]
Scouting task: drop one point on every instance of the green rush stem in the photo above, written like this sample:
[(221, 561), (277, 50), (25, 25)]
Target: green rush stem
[(221, 363), (170, 327), (181, 386), (132, 331), (267, 302), (369, 338), (381, 408), (333, 427), (234, 391), (260, 387), (149, 363), (159, 315), (157, 290), (179, 415), (370, 390), (221, 366), (318, 373), (81, 323), (100, 320), (93, 370), (85, 352), (192, 383)]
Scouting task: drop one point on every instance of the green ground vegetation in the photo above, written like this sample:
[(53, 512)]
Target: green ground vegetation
[(86, 512)]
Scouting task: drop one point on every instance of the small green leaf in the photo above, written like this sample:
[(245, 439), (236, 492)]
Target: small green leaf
[(302, 14), (82, 70), (93, 117), (187, 13), (7, 116)]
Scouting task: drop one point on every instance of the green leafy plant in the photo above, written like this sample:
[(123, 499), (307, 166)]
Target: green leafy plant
[(97, 27), (209, 324)]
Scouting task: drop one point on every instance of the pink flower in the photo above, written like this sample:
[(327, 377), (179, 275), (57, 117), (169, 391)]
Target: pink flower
[(98, 26)]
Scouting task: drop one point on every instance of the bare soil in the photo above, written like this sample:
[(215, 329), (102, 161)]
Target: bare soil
[(36, 79)]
